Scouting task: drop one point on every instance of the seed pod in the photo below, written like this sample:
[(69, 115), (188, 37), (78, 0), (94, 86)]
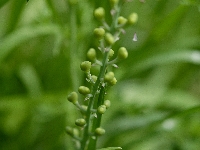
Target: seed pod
[(83, 90), (69, 130), (122, 53), (73, 97), (121, 20), (100, 131), (133, 18), (85, 66), (111, 53), (109, 76), (94, 78), (99, 13), (80, 122), (113, 81), (109, 39), (99, 32), (107, 103), (101, 109), (91, 54)]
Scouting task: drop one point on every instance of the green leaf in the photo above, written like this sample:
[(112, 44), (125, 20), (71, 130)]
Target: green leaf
[(110, 148)]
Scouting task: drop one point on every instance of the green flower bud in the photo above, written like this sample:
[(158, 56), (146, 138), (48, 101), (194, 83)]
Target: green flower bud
[(107, 103), (111, 53), (100, 131), (91, 54), (122, 53), (80, 122), (113, 81), (121, 20), (84, 107), (99, 32), (69, 130), (114, 2), (85, 66), (109, 39), (109, 76), (99, 13), (73, 97), (94, 78), (101, 109), (133, 18), (83, 90)]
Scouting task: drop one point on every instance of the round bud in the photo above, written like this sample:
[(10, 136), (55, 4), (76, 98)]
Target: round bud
[(94, 78), (84, 107), (109, 39), (122, 53), (73, 97), (121, 20), (113, 81), (85, 66), (99, 13), (100, 131), (91, 54), (109, 76), (101, 109), (107, 103), (80, 122), (99, 32), (114, 2), (69, 130), (133, 18), (111, 53), (83, 90)]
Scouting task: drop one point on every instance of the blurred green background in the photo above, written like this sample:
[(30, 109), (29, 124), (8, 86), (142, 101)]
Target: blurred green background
[(156, 102)]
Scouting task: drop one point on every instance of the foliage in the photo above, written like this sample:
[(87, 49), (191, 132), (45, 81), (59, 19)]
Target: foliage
[(155, 104)]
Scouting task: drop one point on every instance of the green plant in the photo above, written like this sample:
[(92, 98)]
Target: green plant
[(96, 105)]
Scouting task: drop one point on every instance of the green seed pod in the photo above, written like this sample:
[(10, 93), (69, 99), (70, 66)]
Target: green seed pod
[(99, 32), (94, 78), (121, 20), (107, 103), (114, 2), (83, 90), (85, 66), (113, 81), (111, 53), (101, 109), (99, 13), (69, 130), (122, 53), (133, 18), (109, 76), (73, 97), (80, 122), (91, 54), (100, 131), (109, 39)]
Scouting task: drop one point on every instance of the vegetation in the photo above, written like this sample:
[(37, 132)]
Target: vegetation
[(155, 102)]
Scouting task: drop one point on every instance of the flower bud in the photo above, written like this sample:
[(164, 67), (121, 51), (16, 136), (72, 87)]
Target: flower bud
[(111, 53), (85, 66), (73, 97), (83, 90), (99, 32), (121, 20), (99, 13), (94, 78), (100, 131), (80, 122), (84, 107), (101, 109), (109, 39), (133, 18), (122, 53), (91, 54), (114, 2), (107, 103), (69, 130), (109, 76), (113, 81)]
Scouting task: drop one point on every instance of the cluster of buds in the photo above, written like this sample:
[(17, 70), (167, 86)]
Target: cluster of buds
[(95, 93)]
